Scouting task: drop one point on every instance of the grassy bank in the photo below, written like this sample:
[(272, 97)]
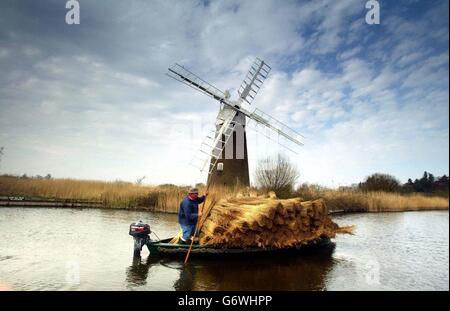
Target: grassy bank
[(119, 194), (112, 194), (166, 198), (358, 201)]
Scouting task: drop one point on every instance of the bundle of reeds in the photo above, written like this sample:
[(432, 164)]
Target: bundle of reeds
[(267, 222)]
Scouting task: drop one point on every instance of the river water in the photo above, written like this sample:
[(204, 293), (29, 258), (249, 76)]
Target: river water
[(90, 249)]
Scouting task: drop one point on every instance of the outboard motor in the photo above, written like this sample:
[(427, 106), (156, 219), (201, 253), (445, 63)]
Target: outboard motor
[(140, 233)]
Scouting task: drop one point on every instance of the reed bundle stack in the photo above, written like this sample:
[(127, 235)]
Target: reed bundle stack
[(267, 222)]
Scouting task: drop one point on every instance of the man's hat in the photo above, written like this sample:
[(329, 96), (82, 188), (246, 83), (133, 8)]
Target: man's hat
[(193, 190)]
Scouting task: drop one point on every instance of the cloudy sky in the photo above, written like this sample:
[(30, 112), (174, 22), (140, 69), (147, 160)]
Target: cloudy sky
[(92, 100)]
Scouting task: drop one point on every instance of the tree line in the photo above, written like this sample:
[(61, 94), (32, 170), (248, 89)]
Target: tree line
[(25, 176), (280, 175), (428, 184)]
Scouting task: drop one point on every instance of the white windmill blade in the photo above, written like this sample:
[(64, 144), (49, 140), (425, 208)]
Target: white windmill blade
[(214, 143), (277, 126), (253, 81), (187, 77), (265, 131)]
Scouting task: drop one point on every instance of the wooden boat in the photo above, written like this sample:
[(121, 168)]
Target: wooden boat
[(164, 248)]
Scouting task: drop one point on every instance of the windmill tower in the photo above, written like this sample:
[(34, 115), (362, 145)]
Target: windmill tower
[(225, 147)]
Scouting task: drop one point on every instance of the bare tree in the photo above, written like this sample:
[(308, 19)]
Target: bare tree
[(277, 174)]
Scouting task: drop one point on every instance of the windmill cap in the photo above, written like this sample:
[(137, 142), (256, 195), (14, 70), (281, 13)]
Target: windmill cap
[(193, 190)]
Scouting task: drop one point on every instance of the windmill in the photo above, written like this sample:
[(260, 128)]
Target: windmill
[(223, 152)]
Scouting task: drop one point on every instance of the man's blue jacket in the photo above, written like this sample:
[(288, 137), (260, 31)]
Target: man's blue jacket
[(188, 213)]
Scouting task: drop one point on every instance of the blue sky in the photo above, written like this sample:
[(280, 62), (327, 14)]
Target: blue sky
[(92, 101)]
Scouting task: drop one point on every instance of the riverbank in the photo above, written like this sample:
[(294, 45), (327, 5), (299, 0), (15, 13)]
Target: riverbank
[(358, 201), (112, 195), (166, 198)]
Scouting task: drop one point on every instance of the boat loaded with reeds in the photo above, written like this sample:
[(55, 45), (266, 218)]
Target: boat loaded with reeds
[(257, 225)]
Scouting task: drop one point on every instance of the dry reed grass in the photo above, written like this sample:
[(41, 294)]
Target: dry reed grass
[(267, 222), (116, 194), (358, 201), (166, 198)]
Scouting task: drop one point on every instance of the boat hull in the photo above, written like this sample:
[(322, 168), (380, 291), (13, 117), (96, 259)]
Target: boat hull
[(164, 248)]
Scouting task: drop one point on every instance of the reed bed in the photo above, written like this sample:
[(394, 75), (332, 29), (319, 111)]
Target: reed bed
[(166, 198), (115, 194), (359, 201)]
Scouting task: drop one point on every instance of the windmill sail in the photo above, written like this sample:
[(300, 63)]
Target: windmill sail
[(212, 146), (189, 78), (253, 80), (277, 126)]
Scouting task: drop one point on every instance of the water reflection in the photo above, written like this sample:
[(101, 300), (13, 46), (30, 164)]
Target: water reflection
[(305, 271), (137, 273)]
